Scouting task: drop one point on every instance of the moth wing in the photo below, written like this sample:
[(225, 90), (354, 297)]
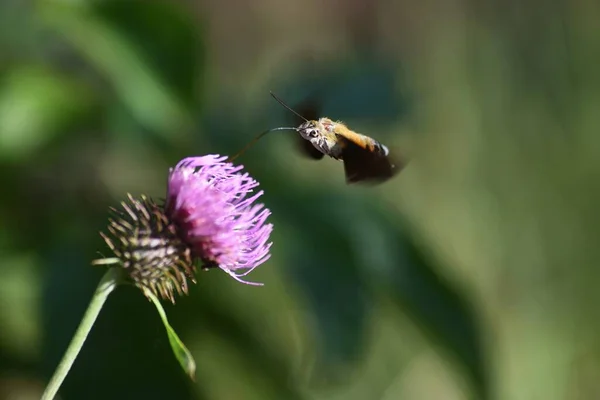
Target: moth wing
[(307, 149), (365, 166)]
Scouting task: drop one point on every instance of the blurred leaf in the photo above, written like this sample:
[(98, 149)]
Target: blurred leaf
[(436, 304), (150, 51), (182, 354), (441, 309), (226, 342), (15, 16), (19, 285), (323, 266), (36, 104), (165, 37)]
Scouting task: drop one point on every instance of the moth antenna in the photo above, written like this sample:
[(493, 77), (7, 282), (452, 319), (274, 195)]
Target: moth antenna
[(257, 138), (286, 106)]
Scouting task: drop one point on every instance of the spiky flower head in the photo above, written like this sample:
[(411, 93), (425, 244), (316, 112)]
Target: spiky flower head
[(210, 216)]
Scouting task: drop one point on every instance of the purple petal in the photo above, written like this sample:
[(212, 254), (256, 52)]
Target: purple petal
[(214, 206)]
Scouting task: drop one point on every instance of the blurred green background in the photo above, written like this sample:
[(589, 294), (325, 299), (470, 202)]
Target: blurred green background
[(471, 275)]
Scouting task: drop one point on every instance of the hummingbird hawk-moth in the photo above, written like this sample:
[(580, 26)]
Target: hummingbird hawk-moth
[(365, 159)]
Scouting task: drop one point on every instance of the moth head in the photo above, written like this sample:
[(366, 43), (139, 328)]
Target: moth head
[(309, 130)]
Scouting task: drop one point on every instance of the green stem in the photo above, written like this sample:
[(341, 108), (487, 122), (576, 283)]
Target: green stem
[(107, 284)]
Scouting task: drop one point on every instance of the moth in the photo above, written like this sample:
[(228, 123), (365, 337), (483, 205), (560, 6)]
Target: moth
[(365, 159)]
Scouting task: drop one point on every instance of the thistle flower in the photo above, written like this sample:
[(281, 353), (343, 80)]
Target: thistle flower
[(210, 215)]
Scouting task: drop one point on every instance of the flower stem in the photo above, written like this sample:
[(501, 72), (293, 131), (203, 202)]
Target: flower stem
[(107, 284)]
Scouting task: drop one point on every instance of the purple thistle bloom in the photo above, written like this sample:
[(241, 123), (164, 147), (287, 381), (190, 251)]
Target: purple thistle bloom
[(210, 202), (209, 215)]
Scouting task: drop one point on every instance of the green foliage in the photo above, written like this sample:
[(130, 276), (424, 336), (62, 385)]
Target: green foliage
[(149, 51), (470, 275), (36, 106)]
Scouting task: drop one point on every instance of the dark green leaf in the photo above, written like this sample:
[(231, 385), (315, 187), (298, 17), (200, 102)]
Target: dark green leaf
[(165, 37), (436, 304), (182, 354), (323, 266), (149, 51)]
